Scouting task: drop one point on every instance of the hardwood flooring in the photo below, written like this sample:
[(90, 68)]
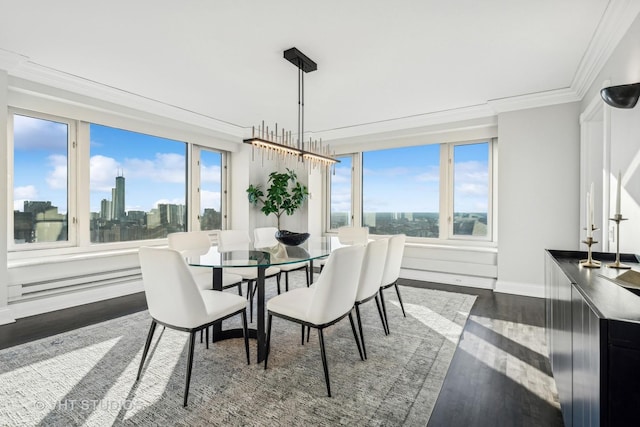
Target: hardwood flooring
[(499, 375)]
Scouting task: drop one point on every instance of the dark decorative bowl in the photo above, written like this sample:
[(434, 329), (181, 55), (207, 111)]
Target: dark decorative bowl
[(290, 238)]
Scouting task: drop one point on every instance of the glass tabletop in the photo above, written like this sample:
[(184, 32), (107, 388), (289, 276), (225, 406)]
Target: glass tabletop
[(250, 256)]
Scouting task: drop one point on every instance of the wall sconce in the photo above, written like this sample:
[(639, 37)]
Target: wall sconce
[(623, 96)]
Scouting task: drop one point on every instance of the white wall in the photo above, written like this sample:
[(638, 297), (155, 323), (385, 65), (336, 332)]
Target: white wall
[(623, 67), (538, 182)]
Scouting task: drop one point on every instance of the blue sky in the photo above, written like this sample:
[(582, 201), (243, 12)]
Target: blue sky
[(154, 168), (407, 180)]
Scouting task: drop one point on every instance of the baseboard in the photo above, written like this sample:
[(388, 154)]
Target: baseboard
[(449, 279), (6, 316), (524, 289), (72, 299)]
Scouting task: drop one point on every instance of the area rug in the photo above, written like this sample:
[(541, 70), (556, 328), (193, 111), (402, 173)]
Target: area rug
[(87, 376)]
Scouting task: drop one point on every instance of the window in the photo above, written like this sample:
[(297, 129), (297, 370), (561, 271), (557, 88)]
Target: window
[(433, 191), (210, 190), (470, 189), (41, 147), (401, 191), (138, 185), (341, 181)]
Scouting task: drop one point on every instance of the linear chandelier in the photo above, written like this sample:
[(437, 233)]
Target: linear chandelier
[(282, 144)]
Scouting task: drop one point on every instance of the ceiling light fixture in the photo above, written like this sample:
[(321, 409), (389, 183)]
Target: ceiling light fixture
[(623, 96), (281, 144)]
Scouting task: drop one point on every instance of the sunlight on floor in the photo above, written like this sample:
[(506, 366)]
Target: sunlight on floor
[(521, 372), (445, 327), (54, 378)]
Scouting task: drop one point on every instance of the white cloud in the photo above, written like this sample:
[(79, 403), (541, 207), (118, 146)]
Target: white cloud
[(210, 199), (103, 173), (165, 167), (57, 178), (210, 174), (38, 134), (28, 192)]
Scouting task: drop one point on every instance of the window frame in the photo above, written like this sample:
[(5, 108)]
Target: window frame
[(446, 188), (72, 181), (78, 183)]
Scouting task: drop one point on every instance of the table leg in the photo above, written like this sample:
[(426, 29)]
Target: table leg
[(260, 332), (310, 271), (217, 286)]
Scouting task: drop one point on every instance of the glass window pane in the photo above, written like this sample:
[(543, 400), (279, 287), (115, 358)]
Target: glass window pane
[(400, 191), (138, 185), (40, 180), (470, 189), (210, 190), (341, 180)]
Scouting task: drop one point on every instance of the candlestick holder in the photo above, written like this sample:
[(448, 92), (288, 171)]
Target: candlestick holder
[(590, 262), (617, 218)]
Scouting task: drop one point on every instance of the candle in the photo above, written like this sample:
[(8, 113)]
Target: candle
[(618, 195), (591, 194), (587, 214)]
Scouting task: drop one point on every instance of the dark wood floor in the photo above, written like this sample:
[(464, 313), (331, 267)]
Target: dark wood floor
[(498, 377)]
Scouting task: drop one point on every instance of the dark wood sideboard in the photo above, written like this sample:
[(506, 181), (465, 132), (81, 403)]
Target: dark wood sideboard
[(593, 337)]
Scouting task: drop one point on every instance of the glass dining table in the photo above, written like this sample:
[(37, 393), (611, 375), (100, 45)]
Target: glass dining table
[(261, 259)]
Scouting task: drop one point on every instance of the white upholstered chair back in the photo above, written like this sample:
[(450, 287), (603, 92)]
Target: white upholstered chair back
[(353, 235), (394, 259), (372, 269), (233, 240), (335, 290), (172, 295), (265, 237), (190, 242)]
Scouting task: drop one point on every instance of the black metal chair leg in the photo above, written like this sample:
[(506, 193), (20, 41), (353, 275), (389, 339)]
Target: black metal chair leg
[(206, 336), (400, 299), (364, 349), (307, 274), (324, 361), (245, 333), (384, 325), (278, 282), (308, 332), (268, 345), (200, 336), (250, 291), (355, 335), (384, 311), (189, 366), (286, 281), (302, 328), (147, 344)]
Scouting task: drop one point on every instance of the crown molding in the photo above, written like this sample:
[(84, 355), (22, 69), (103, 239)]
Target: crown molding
[(21, 68), (10, 60), (614, 24), (534, 100)]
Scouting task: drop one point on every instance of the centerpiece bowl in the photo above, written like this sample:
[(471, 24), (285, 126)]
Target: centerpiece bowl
[(290, 238)]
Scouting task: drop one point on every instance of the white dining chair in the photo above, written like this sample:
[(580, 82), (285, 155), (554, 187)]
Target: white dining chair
[(349, 235), (175, 301), (370, 281), (265, 237), (327, 302), (392, 272), (194, 243), (239, 240)]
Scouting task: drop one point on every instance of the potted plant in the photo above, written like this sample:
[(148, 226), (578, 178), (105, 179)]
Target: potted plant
[(285, 195)]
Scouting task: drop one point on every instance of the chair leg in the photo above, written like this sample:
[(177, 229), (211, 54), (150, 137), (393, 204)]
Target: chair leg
[(308, 274), (364, 349), (240, 288), (278, 281), (308, 332), (384, 325), (302, 328), (384, 311), (250, 291), (355, 335), (324, 361), (286, 281), (189, 366), (245, 333), (206, 336), (200, 336), (152, 329), (268, 346), (400, 298)]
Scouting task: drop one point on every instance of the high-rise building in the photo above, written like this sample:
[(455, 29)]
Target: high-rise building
[(118, 200)]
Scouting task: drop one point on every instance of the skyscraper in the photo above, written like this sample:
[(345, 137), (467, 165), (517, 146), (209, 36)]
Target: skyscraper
[(118, 199)]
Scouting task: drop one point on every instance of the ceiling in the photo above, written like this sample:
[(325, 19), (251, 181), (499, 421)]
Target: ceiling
[(377, 60)]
